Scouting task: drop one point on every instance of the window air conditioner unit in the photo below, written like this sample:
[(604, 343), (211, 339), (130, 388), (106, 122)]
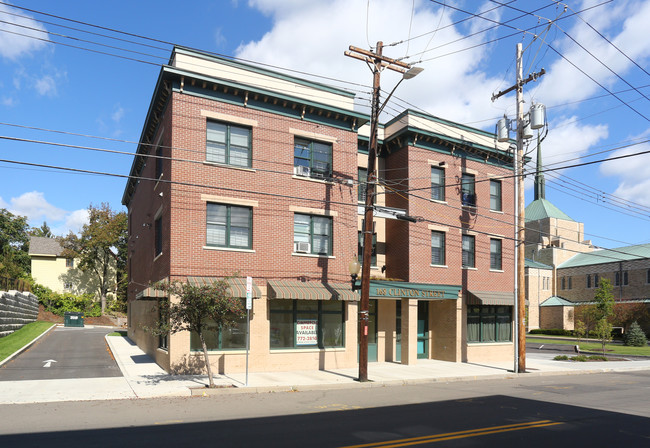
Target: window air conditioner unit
[(302, 247), (301, 171)]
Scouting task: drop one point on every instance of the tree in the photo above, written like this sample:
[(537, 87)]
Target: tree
[(100, 248), (627, 313), (195, 308), (42, 231), (579, 330), (605, 309), (636, 337), (588, 314), (14, 245)]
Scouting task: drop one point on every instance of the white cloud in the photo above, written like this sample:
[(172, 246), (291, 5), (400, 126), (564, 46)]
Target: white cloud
[(342, 23), (13, 45), (35, 207), (76, 220), (564, 83), (45, 85), (118, 113), (8, 101), (633, 174), (219, 38), (568, 141)]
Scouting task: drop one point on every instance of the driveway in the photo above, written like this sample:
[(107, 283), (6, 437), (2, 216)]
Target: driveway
[(64, 353)]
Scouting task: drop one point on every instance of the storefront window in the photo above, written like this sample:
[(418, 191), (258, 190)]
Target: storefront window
[(306, 323), (489, 323), (224, 339)]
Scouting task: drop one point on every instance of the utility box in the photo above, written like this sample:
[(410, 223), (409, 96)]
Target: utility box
[(73, 319)]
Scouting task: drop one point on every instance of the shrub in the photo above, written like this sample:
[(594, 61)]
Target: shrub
[(552, 332), (561, 358), (635, 336)]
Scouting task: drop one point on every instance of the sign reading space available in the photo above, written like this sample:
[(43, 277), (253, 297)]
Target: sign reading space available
[(306, 332)]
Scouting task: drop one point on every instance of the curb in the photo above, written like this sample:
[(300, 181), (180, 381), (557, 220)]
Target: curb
[(29, 344)]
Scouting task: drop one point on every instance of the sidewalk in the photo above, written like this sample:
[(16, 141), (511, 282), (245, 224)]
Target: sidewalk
[(145, 379)]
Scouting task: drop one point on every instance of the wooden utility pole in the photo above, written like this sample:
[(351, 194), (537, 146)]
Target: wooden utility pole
[(377, 63), (520, 279)]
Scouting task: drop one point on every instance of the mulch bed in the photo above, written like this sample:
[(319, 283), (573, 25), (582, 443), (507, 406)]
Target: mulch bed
[(47, 316)]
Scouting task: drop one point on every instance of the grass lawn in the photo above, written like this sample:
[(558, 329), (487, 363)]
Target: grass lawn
[(118, 333), (18, 339), (617, 349)]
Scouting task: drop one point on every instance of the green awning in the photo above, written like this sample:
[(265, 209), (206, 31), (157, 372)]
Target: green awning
[(293, 289), (380, 289), (237, 285), (490, 298), (237, 288)]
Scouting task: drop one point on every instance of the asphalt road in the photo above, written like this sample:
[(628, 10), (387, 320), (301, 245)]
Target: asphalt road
[(65, 352), (598, 410)]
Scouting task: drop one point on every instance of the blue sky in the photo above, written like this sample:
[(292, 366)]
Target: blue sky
[(50, 91)]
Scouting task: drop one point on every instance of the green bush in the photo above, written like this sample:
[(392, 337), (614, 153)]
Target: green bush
[(552, 332), (60, 303), (561, 358), (635, 337)]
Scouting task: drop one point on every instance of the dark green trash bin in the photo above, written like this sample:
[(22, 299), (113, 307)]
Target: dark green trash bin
[(73, 319)]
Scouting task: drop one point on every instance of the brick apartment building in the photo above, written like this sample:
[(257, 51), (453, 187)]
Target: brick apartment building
[(245, 171)]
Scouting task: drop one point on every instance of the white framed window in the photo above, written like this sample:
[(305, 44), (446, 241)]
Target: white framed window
[(229, 226), (228, 144)]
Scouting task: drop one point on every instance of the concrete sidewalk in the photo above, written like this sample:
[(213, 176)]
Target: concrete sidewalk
[(144, 379)]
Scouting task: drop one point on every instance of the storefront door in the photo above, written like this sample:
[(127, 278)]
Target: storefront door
[(372, 331), (398, 330), (423, 329)]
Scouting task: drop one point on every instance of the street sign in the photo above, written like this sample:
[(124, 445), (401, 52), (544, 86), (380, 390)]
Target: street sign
[(249, 293)]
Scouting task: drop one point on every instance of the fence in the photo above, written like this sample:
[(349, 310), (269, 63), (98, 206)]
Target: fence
[(17, 284)]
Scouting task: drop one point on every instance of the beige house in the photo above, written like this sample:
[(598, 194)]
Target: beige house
[(58, 273)]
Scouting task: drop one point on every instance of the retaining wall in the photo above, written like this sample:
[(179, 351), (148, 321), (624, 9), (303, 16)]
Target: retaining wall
[(16, 309)]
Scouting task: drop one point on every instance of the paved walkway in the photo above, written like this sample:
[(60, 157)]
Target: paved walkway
[(145, 379)]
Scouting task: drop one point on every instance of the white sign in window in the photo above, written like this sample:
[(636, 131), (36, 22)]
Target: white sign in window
[(306, 332)]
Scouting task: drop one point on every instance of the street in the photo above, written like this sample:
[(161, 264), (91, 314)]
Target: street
[(564, 410), (65, 352)]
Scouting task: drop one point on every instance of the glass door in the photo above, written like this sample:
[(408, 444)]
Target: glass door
[(423, 329)]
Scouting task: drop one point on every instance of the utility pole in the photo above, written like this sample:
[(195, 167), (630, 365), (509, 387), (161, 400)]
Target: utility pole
[(520, 279), (377, 63)]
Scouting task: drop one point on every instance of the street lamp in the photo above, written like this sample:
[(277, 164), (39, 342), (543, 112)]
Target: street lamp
[(354, 267)]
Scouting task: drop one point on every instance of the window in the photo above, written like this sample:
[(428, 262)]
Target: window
[(617, 278), (647, 276), (228, 144), (438, 248), (625, 278), (312, 234), (163, 339), (306, 323), (69, 262), (596, 281), (363, 179), (437, 183), (159, 161), (588, 280), (229, 226), (495, 195), (221, 339), (495, 254), (489, 323), (468, 251), (563, 282), (467, 190), (158, 236), (570, 282), (373, 254), (316, 156), (67, 286)]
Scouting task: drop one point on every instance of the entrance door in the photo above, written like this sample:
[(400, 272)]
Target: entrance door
[(372, 331), (398, 331), (423, 329)]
